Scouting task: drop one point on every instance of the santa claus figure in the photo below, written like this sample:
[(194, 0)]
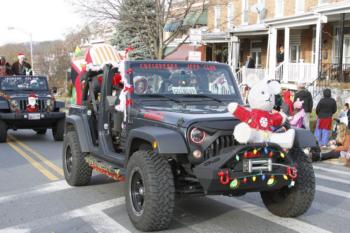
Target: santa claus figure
[(32, 105)]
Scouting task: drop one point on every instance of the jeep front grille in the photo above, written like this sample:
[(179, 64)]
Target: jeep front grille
[(219, 144), (23, 105)]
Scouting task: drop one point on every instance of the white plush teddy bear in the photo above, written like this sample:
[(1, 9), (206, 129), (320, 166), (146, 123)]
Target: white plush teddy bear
[(258, 122)]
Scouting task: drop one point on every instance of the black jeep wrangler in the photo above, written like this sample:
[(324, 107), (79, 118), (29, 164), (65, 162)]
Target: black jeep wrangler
[(27, 103), (175, 139)]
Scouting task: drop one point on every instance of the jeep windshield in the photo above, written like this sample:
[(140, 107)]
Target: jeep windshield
[(23, 83), (183, 81)]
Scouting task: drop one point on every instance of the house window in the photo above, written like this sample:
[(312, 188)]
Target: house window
[(245, 11), (261, 11), (279, 8), (294, 53), (217, 17), (255, 52), (299, 6), (229, 15), (323, 1), (346, 46)]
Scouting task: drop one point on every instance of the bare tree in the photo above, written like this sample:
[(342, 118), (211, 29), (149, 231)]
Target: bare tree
[(147, 24)]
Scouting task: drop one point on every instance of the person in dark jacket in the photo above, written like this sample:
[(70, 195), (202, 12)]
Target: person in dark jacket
[(304, 95), (250, 63), (325, 110), (21, 67), (280, 55), (5, 67)]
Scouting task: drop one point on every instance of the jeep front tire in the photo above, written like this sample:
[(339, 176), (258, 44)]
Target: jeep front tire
[(294, 201), (150, 191), (58, 130), (3, 131), (76, 171)]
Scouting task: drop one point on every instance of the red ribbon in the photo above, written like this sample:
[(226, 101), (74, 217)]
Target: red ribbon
[(116, 79), (129, 89), (128, 49), (128, 102), (129, 71)]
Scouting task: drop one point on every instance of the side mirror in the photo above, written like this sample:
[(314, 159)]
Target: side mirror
[(54, 90)]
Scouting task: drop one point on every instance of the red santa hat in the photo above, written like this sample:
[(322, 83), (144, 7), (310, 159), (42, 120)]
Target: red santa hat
[(33, 95), (20, 55)]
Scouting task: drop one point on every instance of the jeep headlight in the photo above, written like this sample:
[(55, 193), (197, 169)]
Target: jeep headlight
[(197, 136), (13, 105)]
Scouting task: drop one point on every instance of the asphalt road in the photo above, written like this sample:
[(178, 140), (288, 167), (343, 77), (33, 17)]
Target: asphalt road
[(34, 197)]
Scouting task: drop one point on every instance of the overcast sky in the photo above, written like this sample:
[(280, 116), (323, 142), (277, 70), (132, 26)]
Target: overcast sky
[(45, 19)]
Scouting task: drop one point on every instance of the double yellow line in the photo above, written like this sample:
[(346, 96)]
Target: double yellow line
[(39, 160)]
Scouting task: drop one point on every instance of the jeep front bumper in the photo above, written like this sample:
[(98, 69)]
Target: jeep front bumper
[(247, 168), (32, 120)]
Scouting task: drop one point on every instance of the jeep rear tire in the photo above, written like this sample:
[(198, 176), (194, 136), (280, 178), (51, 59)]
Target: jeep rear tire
[(149, 191), (76, 171), (58, 130), (40, 131), (3, 131), (294, 201)]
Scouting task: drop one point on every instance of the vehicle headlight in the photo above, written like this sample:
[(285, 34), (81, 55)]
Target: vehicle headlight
[(197, 136), (13, 105)]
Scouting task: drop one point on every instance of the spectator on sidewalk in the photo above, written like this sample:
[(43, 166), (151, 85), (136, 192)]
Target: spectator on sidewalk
[(250, 63), (340, 147), (342, 117), (304, 95), (5, 67), (324, 111), (298, 118)]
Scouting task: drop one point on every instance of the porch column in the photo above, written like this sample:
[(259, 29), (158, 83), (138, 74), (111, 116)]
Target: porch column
[(340, 47), (272, 52), (318, 46), (286, 53), (234, 52), (229, 57)]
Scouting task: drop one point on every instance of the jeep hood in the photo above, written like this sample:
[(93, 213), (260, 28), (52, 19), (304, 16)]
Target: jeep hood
[(189, 115)]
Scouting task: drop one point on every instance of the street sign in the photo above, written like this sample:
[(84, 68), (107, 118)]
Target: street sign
[(194, 56)]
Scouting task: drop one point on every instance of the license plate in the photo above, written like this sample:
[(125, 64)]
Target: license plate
[(34, 116)]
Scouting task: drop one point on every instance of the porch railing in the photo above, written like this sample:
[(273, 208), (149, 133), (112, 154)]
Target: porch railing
[(244, 75), (299, 72), (333, 72)]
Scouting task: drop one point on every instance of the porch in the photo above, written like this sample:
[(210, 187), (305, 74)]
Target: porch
[(291, 73), (316, 48)]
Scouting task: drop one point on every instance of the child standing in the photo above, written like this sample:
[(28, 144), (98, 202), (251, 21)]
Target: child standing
[(298, 118)]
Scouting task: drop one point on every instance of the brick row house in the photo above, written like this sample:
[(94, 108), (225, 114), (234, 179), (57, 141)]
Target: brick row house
[(313, 33)]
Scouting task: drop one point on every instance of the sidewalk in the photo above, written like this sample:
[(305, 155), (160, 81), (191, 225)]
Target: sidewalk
[(340, 161)]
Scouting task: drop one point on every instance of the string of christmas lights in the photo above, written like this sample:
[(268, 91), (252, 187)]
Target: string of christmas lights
[(234, 182)]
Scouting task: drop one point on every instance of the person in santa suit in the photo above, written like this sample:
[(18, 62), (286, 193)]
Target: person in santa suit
[(21, 67)]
